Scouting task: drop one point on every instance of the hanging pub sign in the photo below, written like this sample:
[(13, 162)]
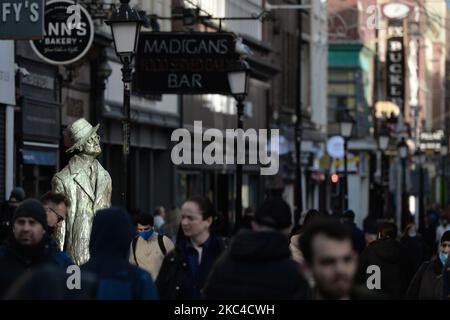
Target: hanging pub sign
[(184, 63), (395, 63), (66, 38), (21, 20), (431, 140)]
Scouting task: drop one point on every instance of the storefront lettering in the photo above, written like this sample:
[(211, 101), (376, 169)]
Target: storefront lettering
[(12, 11)]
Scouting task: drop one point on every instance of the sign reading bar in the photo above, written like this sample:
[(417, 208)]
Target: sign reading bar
[(184, 63), (64, 43), (21, 20)]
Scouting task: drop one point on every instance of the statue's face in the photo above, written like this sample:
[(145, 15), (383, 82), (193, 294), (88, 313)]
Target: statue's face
[(92, 146)]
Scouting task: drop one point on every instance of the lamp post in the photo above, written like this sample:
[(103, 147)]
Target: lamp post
[(125, 24), (402, 148), (444, 152), (238, 81), (420, 159), (383, 143), (346, 131)]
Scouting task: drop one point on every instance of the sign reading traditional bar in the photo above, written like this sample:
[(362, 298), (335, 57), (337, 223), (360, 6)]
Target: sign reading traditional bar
[(21, 20), (431, 140), (184, 63), (395, 63)]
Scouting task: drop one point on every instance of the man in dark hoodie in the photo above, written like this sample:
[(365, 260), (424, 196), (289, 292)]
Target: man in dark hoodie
[(396, 264), (258, 263), (112, 233), (27, 249)]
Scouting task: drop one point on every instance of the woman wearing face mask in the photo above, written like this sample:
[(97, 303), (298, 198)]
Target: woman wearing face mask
[(427, 282), (184, 270)]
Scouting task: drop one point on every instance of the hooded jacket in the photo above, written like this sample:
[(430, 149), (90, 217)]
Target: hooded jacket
[(396, 265), (257, 265), (177, 280), (112, 233)]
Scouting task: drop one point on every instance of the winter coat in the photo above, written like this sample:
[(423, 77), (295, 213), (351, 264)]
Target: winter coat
[(177, 280), (417, 248), (15, 260), (427, 282), (73, 182), (258, 265), (112, 232), (446, 281), (395, 263)]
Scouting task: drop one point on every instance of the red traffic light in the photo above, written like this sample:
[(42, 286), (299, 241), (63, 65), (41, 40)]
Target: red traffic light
[(335, 178)]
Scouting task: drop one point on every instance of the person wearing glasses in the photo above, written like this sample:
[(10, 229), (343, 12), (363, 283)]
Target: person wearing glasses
[(55, 205)]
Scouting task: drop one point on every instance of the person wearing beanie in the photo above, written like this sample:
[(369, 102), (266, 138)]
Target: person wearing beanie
[(7, 211), (258, 263), (427, 283), (27, 248)]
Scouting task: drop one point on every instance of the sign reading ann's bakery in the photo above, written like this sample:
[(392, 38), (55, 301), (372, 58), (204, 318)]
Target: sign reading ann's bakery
[(187, 63), (395, 63), (64, 42), (21, 19)]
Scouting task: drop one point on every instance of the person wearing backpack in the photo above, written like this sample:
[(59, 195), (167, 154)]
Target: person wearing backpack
[(149, 248)]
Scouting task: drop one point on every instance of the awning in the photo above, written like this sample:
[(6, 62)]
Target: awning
[(39, 157)]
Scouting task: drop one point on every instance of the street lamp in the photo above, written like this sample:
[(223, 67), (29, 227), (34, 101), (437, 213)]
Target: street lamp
[(346, 123), (402, 148), (420, 159), (238, 82), (383, 143), (125, 24), (444, 152)]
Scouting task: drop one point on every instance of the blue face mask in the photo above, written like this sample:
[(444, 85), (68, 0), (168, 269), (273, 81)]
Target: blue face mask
[(146, 234), (443, 258)]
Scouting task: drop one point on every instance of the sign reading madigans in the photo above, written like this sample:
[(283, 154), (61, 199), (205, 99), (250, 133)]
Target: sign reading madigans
[(65, 41), (184, 63)]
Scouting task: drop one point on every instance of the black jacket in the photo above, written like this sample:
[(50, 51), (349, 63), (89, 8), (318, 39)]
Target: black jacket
[(175, 279), (395, 263), (257, 265), (427, 282), (112, 233), (417, 248), (16, 259)]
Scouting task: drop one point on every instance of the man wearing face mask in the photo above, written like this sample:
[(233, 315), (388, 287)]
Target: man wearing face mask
[(149, 248), (87, 185), (427, 282)]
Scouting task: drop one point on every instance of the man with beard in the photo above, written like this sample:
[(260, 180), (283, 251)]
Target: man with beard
[(87, 185), (329, 254), (27, 248)]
